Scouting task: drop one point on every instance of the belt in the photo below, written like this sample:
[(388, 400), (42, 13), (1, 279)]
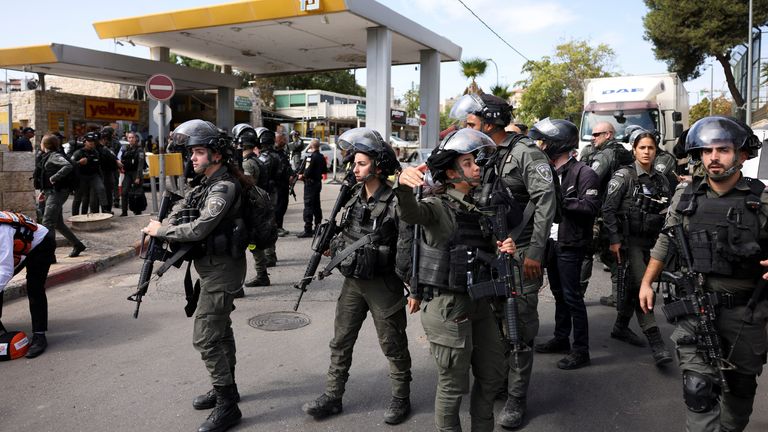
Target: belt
[(730, 300)]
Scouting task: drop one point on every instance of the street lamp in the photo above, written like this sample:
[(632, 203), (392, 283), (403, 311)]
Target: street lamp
[(711, 87), (497, 70)]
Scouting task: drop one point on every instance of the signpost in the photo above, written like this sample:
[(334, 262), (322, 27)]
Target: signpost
[(161, 88)]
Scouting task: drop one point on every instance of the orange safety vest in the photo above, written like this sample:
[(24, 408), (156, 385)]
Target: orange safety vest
[(25, 232)]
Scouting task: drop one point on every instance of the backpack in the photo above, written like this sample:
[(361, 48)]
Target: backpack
[(70, 182), (259, 217)]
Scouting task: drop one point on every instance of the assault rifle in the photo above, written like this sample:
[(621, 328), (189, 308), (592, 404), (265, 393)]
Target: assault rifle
[(322, 240), (414, 283), (295, 178), (502, 282), (155, 251), (699, 303)]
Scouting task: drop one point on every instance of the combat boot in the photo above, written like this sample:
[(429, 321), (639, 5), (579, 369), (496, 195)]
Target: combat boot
[(261, 279), (208, 400), (398, 410), (323, 406), (511, 417), (660, 353), (552, 346), (622, 332), (226, 412)]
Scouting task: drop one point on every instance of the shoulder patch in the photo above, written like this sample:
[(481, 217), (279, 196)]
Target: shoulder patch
[(595, 165), (613, 186), (545, 172), (216, 205), (660, 167)]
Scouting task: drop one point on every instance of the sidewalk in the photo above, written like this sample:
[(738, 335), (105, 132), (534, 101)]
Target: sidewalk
[(104, 249)]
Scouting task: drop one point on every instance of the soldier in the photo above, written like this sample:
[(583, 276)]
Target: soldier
[(606, 157), (295, 146), (245, 137), (725, 218), (282, 183), (270, 158), (133, 160), (109, 146), (462, 332), (370, 282), (522, 170), (581, 203), (89, 173), (219, 257), (312, 176), (633, 215)]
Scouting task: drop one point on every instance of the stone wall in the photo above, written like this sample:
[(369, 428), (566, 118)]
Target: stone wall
[(16, 190), (82, 87)]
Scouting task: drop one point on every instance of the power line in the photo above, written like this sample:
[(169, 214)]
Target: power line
[(492, 30)]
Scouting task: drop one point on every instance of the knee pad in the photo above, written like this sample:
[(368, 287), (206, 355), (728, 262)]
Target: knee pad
[(701, 393), (741, 385)]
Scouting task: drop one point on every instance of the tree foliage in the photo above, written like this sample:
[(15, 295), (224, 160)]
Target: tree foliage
[(411, 102), (473, 68), (502, 91), (720, 106), (340, 81), (685, 32), (555, 85)]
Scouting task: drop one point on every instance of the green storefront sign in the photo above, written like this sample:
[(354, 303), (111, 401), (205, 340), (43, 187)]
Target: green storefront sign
[(360, 111), (243, 103)]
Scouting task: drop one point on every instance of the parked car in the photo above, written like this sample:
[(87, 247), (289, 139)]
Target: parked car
[(327, 151), (416, 157)]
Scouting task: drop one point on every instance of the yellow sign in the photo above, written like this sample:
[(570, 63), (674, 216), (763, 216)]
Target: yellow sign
[(173, 164), (111, 110), (58, 121)]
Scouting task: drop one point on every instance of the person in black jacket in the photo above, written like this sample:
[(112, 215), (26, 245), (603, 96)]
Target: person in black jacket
[(88, 163), (312, 174), (581, 203)]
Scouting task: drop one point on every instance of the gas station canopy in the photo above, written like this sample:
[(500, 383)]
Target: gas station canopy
[(269, 37), (72, 61)]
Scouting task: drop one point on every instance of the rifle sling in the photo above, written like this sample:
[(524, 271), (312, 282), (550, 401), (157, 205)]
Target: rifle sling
[(530, 208), (349, 250), (176, 257)]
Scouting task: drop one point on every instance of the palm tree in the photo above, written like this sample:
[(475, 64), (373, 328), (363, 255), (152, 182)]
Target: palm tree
[(472, 68), (501, 91)]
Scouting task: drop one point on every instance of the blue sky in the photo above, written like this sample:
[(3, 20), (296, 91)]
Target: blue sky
[(532, 27)]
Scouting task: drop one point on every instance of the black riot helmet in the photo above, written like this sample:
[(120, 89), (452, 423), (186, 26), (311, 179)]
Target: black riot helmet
[(245, 135), (628, 132), (201, 133), (460, 142), (91, 136), (107, 133), (714, 131), (559, 136), (266, 137), (638, 133), (369, 142), (491, 109)]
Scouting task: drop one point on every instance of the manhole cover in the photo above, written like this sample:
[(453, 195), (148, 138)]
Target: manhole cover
[(279, 321)]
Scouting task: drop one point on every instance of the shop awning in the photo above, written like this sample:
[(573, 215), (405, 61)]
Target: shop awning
[(268, 37), (72, 61)]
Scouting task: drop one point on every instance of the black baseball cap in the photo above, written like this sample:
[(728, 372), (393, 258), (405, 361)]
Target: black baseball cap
[(27, 129)]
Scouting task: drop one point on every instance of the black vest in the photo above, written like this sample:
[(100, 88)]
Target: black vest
[(647, 200), (724, 233)]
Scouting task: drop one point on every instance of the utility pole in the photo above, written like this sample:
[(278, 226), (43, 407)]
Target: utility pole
[(749, 69)]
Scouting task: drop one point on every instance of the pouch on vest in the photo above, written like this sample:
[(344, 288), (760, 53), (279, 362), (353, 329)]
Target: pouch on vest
[(13, 345)]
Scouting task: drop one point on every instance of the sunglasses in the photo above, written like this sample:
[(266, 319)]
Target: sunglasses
[(597, 134)]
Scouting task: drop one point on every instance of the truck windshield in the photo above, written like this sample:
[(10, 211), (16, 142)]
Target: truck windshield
[(647, 119)]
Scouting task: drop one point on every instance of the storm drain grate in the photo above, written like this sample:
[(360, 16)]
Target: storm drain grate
[(279, 321)]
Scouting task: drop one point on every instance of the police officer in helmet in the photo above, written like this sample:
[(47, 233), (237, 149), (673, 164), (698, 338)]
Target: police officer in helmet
[(270, 159), (218, 253), (370, 281), (723, 215), (522, 170), (246, 138), (457, 326)]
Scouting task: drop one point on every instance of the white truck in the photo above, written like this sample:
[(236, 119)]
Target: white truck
[(655, 102)]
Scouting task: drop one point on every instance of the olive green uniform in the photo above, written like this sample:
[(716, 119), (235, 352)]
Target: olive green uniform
[(742, 330), (525, 173), (251, 168), (382, 294), (636, 236), (221, 273), (461, 332)]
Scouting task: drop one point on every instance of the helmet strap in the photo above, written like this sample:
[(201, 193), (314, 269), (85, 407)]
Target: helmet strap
[(730, 171)]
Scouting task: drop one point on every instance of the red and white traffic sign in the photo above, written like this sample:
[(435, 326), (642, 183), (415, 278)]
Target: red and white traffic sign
[(423, 119), (160, 87)]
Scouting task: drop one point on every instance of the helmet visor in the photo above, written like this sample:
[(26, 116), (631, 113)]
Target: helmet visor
[(466, 141), (714, 132), (361, 139), (465, 105)]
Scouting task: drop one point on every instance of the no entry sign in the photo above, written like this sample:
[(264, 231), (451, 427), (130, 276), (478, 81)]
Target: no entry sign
[(160, 87)]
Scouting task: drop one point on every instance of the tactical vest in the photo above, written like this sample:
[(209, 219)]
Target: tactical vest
[(647, 200), (130, 159), (446, 268), (376, 257), (271, 166), (25, 232), (724, 232), (263, 180)]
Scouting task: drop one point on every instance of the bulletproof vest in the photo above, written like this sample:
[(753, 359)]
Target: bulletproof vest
[(25, 232), (376, 257), (724, 232), (93, 166), (271, 165), (130, 159), (263, 180), (647, 200), (446, 268)]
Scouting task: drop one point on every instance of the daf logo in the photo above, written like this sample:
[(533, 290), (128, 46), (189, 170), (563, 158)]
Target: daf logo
[(622, 90)]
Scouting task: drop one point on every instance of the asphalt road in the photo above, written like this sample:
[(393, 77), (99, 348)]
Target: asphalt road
[(105, 371)]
